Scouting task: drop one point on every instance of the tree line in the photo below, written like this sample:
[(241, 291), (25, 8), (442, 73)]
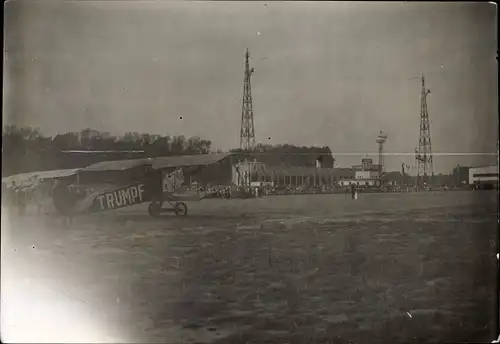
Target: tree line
[(26, 149), (25, 139)]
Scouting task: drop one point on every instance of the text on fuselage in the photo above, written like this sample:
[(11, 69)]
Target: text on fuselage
[(122, 198)]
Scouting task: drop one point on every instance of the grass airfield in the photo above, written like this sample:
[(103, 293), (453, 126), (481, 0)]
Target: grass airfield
[(386, 268)]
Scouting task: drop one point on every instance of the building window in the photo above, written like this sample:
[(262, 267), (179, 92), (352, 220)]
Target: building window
[(479, 175)]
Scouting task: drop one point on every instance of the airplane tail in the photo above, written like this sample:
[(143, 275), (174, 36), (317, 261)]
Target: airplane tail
[(70, 204), (86, 203)]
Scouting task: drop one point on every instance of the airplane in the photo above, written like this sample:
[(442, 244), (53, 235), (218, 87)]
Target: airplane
[(117, 184)]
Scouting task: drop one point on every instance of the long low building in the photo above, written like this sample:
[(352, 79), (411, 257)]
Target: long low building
[(247, 172), (484, 175)]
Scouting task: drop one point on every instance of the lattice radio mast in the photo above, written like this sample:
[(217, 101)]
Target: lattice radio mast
[(247, 134), (423, 155)]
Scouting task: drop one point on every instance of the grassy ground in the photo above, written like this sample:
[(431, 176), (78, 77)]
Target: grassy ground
[(387, 268)]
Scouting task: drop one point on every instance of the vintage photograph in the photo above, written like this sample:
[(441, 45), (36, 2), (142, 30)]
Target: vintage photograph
[(243, 172)]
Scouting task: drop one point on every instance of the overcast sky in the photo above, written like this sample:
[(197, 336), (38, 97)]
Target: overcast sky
[(330, 74)]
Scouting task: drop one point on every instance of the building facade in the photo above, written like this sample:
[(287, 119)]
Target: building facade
[(486, 176), (247, 173), (460, 175), (365, 175)]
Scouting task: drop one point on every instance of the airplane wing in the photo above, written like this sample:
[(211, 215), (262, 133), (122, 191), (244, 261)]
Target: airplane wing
[(117, 165), (158, 163), (188, 160), (122, 165), (24, 178)]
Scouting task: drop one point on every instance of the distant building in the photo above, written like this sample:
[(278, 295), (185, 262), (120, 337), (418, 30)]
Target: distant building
[(442, 179), (484, 176), (245, 172), (248, 172), (87, 134), (394, 178), (460, 175), (252, 172), (367, 174), (344, 173), (105, 135)]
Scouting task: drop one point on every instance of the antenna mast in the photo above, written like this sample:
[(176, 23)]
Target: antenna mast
[(247, 134), (423, 155)]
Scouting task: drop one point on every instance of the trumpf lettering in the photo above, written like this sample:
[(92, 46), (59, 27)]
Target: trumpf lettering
[(110, 201), (121, 198), (133, 193), (141, 191), (118, 198), (101, 200), (126, 196)]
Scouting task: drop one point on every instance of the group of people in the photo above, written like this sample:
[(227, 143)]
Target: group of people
[(224, 191), (21, 194), (218, 191)]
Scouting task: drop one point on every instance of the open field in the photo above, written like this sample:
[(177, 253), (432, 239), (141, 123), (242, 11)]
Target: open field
[(387, 268)]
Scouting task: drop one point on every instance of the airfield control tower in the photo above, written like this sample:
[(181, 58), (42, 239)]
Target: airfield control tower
[(381, 138)]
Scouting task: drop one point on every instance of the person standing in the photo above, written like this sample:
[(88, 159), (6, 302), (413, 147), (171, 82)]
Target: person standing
[(353, 191)]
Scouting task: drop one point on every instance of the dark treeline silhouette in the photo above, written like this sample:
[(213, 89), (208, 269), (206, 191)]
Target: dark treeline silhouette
[(288, 155), (26, 149)]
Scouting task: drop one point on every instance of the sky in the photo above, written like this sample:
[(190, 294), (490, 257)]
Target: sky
[(326, 73)]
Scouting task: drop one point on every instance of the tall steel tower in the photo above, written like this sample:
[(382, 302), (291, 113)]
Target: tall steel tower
[(381, 138), (423, 155), (247, 134)]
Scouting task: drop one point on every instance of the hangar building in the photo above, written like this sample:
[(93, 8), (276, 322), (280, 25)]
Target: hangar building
[(484, 176), (247, 172)]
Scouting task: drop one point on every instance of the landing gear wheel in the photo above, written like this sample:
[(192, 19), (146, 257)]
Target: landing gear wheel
[(154, 209), (180, 209)]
